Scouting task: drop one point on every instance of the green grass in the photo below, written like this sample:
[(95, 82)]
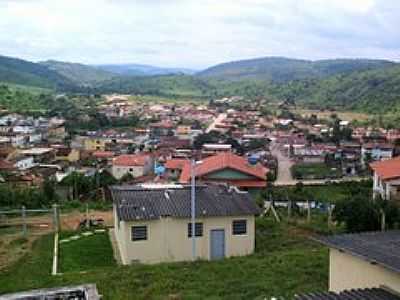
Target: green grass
[(314, 171), (86, 253), (285, 263), (328, 193)]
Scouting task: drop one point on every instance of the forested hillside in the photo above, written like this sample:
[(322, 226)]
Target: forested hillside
[(17, 71), (371, 91), (281, 70), (79, 74)]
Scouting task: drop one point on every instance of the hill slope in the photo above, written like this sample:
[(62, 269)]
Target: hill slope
[(80, 74), (165, 85), (372, 91), (18, 71), (280, 69)]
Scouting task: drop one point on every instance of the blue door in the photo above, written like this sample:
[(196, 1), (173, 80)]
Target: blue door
[(217, 243)]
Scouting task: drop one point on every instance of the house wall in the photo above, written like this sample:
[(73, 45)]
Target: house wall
[(228, 174), (136, 171), (25, 163), (168, 240), (347, 271), (93, 144)]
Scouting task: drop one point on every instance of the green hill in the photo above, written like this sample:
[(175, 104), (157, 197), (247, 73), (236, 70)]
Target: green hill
[(371, 91), (280, 69), (164, 85), (18, 71), (80, 74)]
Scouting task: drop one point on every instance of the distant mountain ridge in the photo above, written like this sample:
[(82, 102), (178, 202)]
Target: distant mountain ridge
[(143, 70), (359, 84), (281, 69)]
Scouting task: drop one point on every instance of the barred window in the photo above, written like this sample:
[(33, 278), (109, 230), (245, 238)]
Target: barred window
[(239, 227), (139, 233), (198, 229)]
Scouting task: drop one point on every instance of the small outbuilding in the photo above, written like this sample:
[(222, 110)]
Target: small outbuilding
[(153, 223), (364, 261)]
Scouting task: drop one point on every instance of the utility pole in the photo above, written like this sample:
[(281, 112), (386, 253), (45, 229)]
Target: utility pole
[(193, 207)]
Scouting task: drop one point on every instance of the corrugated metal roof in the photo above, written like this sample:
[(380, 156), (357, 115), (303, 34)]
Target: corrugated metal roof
[(381, 248), (356, 294), (137, 203)]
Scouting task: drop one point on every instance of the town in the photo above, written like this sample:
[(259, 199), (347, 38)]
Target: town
[(198, 149), (244, 165)]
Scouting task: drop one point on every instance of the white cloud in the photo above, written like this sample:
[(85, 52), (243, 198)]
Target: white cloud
[(197, 33)]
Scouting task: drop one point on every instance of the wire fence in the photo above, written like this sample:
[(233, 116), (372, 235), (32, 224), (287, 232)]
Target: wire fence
[(29, 221)]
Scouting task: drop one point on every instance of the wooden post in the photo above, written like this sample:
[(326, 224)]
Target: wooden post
[(23, 213), (308, 211), (289, 207)]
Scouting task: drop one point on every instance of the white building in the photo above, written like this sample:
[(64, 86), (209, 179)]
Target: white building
[(386, 178), (136, 165)]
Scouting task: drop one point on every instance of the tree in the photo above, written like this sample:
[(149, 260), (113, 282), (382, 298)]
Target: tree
[(49, 190), (363, 214)]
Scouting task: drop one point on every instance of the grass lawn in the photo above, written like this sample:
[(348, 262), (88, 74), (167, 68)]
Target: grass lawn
[(87, 253), (286, 262), (314, 171)]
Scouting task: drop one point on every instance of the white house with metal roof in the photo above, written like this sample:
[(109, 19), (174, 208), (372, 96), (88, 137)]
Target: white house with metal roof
[(153, 224), (364, 261)]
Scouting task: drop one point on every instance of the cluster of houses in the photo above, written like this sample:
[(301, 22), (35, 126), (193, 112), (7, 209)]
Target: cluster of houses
[(153, 213)]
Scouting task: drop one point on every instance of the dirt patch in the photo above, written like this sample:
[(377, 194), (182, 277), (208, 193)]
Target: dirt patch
[(13, 246), (71, 221)]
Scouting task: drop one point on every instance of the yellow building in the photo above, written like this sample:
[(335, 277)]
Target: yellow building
[(365, 260), (183, 130), (152, 224), (94, 143)]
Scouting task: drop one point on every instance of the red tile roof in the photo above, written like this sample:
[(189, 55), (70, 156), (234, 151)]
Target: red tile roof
[(175, 163), (128, 160), (387, 169), (222, 161), (103, 154), (5, 165)]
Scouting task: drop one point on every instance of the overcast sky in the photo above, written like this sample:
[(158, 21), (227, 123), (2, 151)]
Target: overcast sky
[(197, 33)]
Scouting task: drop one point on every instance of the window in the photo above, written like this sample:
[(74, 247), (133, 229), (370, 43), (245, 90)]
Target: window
[(139, 233), (239, 227), (198, 229)]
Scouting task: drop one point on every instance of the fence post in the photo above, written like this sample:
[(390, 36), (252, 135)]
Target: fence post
[(289, 207), (87, 216), (383, 220), (56, 220), (308, 211), (23, 213), (329, 216)]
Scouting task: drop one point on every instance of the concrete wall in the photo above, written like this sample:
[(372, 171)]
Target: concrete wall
[(350, 272), (168, 241)]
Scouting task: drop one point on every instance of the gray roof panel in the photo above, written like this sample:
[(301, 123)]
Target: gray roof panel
[(382, 248), (135, 203)]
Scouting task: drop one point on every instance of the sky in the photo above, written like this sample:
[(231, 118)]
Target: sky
[(198, 33)]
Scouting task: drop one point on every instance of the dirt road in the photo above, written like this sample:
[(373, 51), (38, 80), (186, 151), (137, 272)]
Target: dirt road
[(284, 165), (217, 120)]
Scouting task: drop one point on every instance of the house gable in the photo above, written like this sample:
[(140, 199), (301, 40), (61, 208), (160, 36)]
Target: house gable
[(228, 173)]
